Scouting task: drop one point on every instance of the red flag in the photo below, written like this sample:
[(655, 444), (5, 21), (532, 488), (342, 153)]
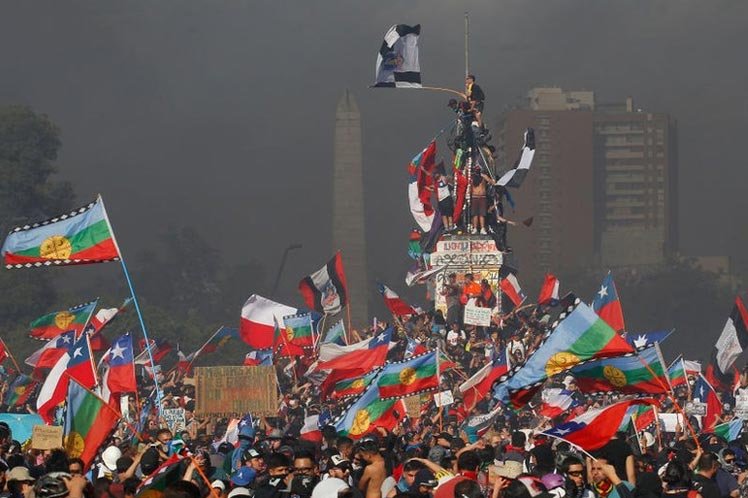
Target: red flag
[(511, 289), (258, 319), (479, 385), (397, 306), (549, 290)]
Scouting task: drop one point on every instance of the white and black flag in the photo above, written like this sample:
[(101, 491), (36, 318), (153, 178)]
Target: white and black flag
[(515, 176), (397, 61)]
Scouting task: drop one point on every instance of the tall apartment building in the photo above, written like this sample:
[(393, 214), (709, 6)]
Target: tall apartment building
[(602, 188)]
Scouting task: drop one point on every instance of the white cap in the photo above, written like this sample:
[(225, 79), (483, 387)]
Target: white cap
[(218, 484), (240, 491), (328, 487), (110, 457)]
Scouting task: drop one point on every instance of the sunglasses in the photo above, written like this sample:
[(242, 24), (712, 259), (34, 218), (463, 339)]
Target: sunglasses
[(576, 473)]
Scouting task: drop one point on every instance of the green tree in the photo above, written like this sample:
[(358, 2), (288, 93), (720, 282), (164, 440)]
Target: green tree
[(29, 143)]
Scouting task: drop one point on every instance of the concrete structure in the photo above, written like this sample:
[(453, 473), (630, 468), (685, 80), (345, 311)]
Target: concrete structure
[(603, 186), (348, 229)]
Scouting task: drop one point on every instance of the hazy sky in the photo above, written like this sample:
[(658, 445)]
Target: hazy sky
[(220, 114)]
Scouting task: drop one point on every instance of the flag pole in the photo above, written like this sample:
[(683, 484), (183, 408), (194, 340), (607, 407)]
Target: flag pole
[(137, 307), (10, 355), (467, 45)]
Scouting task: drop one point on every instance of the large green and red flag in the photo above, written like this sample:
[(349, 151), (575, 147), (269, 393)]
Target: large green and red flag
[(51, 325), (580, 337), (638, 373), (88, 423), (348, 388), (369, 412), (415, 375), (19, 390), (677, 373), (80, 237), (298, 330)]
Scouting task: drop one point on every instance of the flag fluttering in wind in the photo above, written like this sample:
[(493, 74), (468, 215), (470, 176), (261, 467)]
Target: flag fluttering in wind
[(729, 431), (732, 341), (119, 376), (607, 304), (259, 316), (335, 334), (89, 422), (515, 176), (397, 306), (258, 358), (479, 385), (647, 339), (18, 390), (75, 363), (594, 428), (348, 388), (167, 473), (549, 290), (47, 355), (556, 402), (420, 187), (369, 412), (82, 236), (640, 373), (325, 290), (580, 337), (511, 291), (677, 373), (298, 330), (408, 377), (102, 318), (397, 60), (51, 325), (364, 355), (705, 393)]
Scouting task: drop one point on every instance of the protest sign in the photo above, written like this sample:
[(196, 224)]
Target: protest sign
[(668, 421), (230, 391), (174, 419), (46, 437), (741, 406), (413, 406), (443, 398), (475, 315), (695, 408)]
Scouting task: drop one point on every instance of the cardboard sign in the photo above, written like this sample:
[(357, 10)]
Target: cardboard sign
[(741, 406), (668, 421), (46, 437), (443, 398), (413, 406), (475, 315), (174, 419), (236, 391)]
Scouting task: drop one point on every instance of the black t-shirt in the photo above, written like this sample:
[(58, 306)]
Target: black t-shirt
[(706, 487), (617, 451)]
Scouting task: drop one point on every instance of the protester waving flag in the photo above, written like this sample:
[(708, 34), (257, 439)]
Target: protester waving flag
[(80, 237), (397, 61)]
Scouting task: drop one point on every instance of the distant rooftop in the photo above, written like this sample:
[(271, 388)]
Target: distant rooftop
[(558, 99)]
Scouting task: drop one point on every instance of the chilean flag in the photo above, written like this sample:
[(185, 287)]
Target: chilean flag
[(120, 374), (511, 290), (607, 305), (257, 358), (479, 385), (364, 355), (48, 355), (556, 402), (311, 431), (397, 306), (75, 362), (549, 291), (259, 316), (706, 394), (594, 428)]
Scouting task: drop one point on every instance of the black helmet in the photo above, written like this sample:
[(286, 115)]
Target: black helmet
[(50, 487)]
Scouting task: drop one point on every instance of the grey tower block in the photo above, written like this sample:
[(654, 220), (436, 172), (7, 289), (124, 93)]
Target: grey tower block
[(348, 229)]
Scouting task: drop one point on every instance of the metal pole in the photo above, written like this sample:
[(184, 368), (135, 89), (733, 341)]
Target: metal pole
[(467, 36), (282, 265), (137, 310)]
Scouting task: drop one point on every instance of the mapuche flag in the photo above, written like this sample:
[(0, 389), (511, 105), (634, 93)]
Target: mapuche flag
[(369, 412), (325, 290), (677, 373), (298, 330), (51, 325), (640, 373), (413, 376), (594, 428), (580, 337), (80, 237), (348, 388), (88, 423)]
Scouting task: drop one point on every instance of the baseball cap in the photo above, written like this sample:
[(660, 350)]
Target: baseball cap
[(252, 453), (424, 477), (20, 474), (240, 491), (340, 462), (243, 476), (218, 484)]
